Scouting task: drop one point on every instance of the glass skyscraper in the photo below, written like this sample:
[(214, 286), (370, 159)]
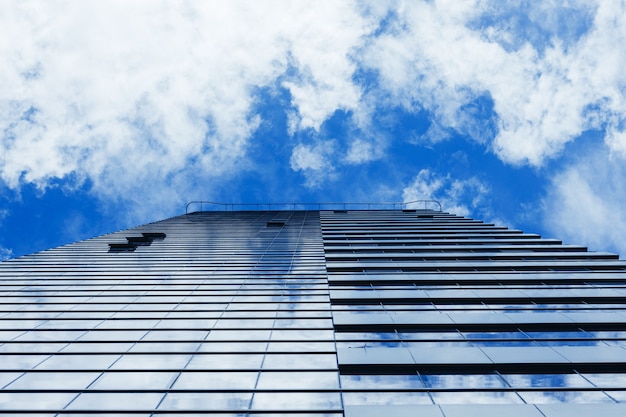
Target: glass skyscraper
[(403, 312)]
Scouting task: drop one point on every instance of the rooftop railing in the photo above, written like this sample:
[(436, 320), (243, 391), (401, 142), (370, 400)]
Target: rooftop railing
[(199, 206)]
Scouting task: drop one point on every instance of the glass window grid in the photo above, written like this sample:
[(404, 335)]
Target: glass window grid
[(415, 297), (228, 295)]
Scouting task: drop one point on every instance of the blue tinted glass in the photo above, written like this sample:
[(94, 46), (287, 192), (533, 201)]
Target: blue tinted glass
[(546, 381), (381, 381), (472, 381), (495, 335), (572, 397), (476, 397), (386, 398)]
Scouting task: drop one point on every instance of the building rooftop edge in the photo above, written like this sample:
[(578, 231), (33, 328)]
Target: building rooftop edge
[(193, 206)]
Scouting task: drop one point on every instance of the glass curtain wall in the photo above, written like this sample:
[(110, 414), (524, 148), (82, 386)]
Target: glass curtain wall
[(314, 313), (207, 313), (449, 316)]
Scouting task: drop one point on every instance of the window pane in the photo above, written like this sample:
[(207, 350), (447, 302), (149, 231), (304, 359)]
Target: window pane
[(546, 397), (296, 401), (382, 398), (299, 380), (463, 381), (546, 380), (381, 381)]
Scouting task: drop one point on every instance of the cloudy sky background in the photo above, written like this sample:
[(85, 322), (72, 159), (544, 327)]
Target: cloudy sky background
[(117, 113)]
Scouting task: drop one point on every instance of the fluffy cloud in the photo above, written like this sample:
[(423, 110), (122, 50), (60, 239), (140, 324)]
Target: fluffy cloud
[(314, 162), (123, 93), (552, 73), (464, 197), (5, 254), (586, 200), (361, 151), (144, 99)]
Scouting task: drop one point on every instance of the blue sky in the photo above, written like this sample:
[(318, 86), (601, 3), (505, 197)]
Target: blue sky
[(115, 113)]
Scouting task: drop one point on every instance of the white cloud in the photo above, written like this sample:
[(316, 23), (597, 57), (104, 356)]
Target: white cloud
[(361, 151), (314, 161), (310, 157), (145, 98), (585, 202), (91, 84), (425, 186), (5, 254), (463, 197), (436, 56), (616, 140)]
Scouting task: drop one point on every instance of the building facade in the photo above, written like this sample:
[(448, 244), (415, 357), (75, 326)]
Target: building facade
[(411, 312)]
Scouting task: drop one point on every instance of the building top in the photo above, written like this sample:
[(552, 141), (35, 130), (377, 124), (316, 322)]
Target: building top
[(202, 205)]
